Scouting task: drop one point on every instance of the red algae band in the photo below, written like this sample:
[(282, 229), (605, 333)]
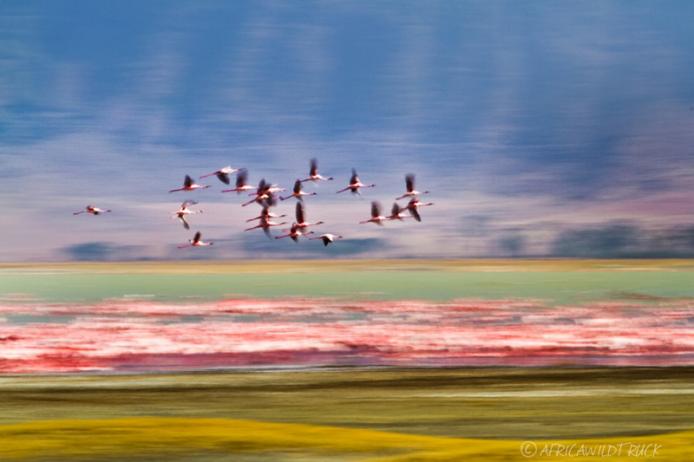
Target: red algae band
[(132, 335)]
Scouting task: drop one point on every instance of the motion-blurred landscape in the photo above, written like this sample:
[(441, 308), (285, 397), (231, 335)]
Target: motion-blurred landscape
[(345, 360), (529, 297)]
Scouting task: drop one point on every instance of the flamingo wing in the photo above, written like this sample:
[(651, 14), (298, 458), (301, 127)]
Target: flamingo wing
[(415, 213), (241, 178), (314, 167), (300, 212), (355, 178), (262, 186), (197, 237), (409, 182), (270, 200), (375, 209), (265, 213), (223, 177), (188, 182)]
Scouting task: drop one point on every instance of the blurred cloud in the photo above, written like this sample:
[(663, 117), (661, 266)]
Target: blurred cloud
[(94, 251), (258, 245), (623, 240), (512, 245)]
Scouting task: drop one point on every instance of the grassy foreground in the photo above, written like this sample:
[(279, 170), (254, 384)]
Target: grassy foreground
[(512, 403), (217, 439), (345, 414)]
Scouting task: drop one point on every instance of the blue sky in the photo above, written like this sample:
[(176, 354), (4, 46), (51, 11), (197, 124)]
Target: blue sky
[(542, 128)]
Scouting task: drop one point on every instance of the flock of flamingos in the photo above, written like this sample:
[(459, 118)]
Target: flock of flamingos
[(266, 195)]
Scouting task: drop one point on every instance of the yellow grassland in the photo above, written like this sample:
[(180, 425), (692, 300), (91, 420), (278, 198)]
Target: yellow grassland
[(167, 437)]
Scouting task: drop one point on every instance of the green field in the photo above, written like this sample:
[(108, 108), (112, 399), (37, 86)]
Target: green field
[(552, 280), (487, 411), (476, 403)]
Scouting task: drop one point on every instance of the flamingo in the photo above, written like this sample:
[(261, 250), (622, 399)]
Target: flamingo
[(313, 174), (190, 185), (396, 213), (196, 242), (183, 211), (294, 233), (300, 217), (265, 225), (266, 214), (327, 238), (263, 194), (274, 189), (241, 182), (355, 184), (223, 173), (298, 192), (409, 185), (376, 216), (413, 207), (92, 210)]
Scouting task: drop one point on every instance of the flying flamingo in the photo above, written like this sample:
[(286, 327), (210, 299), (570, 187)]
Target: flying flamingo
[(274, 189), (376, 216), (183, 211), (355, 184), (265, 187), (241, 183), (265, 225), (397, 212), (327, 238), (413, 207), (266, 214), (223, 173), (196, 242), (92, 210), (300, 217), (409, 185), (190, 185), (298, 192), (294, 233), (313, 174), (261, 194)]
